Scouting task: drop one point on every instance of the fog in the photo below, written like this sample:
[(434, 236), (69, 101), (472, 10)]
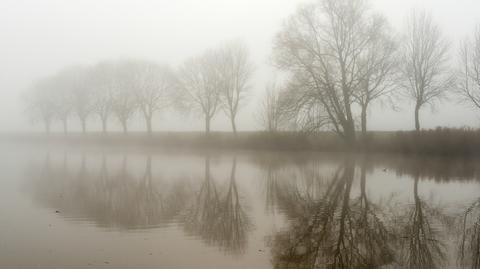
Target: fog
[(38, 38)]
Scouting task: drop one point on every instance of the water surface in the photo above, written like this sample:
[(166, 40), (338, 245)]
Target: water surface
[(93, 208)]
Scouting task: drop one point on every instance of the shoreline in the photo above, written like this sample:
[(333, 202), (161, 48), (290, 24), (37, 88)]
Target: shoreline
[(436, 142)]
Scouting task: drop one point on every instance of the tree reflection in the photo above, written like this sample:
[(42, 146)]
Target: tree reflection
[(234, 220), (420, 243), (373, 237), (271, 186), (334, 230), (202, 217), (219, 219), (116, 199), (469, 250)]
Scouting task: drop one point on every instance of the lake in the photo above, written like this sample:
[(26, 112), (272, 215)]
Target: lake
[(116, 208)]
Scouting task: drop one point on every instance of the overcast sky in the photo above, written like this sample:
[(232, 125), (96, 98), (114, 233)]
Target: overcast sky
[(39, 37)]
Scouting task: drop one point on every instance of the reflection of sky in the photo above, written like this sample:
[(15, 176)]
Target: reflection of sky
[(381, 184)]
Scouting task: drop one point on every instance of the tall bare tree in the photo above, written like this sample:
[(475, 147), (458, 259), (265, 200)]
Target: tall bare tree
[(40, 103), (270, 114), (236, 70), (63, 101), (469, 85), (321, 45), (201, 84), (154, 85), (124, 101), (103, 84), (425, 69), (377, 65), (76, 81)]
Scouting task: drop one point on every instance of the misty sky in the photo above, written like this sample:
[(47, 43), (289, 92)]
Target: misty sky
[(39, 37)]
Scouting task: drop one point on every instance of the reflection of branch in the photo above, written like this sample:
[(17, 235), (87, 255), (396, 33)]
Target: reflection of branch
[(117, 200), (469, 250), (218, 221), (271, 189), (372, 233), (333, 231), (201, 219), (234, 220), (421, 248)]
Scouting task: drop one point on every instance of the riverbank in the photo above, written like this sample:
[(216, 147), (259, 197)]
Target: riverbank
[(441, 141)]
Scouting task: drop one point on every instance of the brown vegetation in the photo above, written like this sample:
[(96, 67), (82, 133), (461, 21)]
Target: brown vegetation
[(440, 141)]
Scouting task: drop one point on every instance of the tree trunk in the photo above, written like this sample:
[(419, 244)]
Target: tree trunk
[(207, 125), (350, 134), (350, 130), (65, 126), (148, 121), (84, 125), (364, 120), (104, 126), (417, 120), (234, 127)]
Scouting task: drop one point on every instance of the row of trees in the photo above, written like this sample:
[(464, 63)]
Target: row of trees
[(340, 57), (218, 79)]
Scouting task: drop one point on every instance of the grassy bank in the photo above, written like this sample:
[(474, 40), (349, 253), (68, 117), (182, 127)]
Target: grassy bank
[(459, 142)]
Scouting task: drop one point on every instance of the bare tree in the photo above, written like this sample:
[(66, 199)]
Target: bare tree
[(62, 99), (469, 86), (124, 101), (377, 65), (321, 45), (201, 84), (269, 115), (63, 107), (103, 84), (40, 103), (425, 71), (236, 70), (153, 88), (75, 80)]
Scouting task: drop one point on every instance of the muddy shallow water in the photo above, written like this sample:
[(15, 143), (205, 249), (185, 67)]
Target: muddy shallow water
[(93, 208)]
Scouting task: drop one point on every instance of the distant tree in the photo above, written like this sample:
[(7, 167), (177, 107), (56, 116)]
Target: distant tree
[(40, 102), (425, 63), (236, 70), (200, 85), (469, 85), (270, 114), (153, 85), (75, 81), (124, 101), (63, 100), (103, 83)]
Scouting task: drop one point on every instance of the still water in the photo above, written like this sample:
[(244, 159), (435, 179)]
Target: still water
[(93, 208)]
